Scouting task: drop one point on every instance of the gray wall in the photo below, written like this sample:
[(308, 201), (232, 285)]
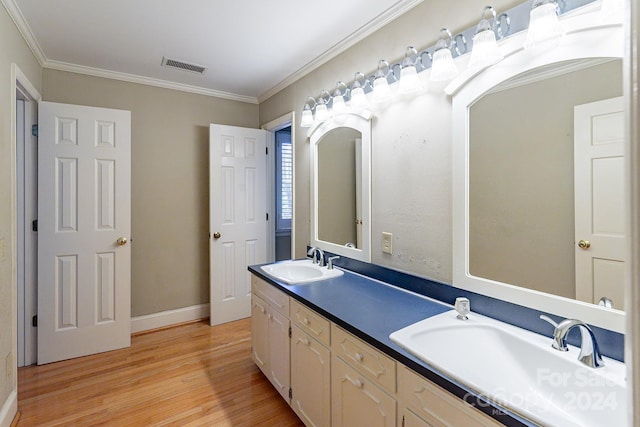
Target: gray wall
[(169, 181), (411, 142), (13, 49)]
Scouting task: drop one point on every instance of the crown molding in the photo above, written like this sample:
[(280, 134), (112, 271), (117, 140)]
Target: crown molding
[(16, 15), (132, 78), (383, 19)]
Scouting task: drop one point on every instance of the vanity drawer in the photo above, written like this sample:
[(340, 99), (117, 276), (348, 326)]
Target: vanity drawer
[(275, 298), (366, 359), (311, 322), (437, 406)]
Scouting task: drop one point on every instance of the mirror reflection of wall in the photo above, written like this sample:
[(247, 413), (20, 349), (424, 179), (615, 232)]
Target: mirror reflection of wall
[(521, 184), (337, 186)]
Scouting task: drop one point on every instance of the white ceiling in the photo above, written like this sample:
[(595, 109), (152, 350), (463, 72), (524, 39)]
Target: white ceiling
[(251, 48)]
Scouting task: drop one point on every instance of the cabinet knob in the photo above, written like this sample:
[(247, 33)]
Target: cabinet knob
[(305, 321), (305, 341), (359, 383), (359, 357)]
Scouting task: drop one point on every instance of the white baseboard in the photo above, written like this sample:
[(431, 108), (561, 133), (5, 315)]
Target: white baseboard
[(168, 318), (9, 409)]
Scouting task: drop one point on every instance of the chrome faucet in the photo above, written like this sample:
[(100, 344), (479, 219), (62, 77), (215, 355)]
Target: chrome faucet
[(317, 256), (589, 350)]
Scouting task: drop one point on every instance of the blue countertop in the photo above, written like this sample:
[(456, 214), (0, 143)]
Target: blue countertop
[(372, 310)]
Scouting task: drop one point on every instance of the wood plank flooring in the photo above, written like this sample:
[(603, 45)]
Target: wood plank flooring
[(189, 375)]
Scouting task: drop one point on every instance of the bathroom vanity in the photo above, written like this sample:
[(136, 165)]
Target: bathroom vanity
[(325, 347)]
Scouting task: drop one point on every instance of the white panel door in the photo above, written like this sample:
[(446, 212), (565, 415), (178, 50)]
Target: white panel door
[(599, 201), (84, 219), (237, 208)]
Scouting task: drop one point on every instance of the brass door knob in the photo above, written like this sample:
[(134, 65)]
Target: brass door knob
[(216, 235), (121, 241), (584, 244)]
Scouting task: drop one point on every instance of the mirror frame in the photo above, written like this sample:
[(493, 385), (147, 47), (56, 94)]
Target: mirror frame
[(587, 35), (360, 121)]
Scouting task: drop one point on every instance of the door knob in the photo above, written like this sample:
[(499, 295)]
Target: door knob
[(216, 235), (121, 241), (584, 244)]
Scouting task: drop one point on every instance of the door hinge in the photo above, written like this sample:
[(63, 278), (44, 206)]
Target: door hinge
[(267, 216), (34, 130), (34, 321), (289, 331), (403, 421), (290, 393), (34, 225), (266, 150)]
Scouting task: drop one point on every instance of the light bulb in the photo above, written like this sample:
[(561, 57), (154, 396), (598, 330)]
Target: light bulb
[(381, 90), (544, 25), (443, 67), (358, 97), (307, 118), (409, 80), (485, 47)]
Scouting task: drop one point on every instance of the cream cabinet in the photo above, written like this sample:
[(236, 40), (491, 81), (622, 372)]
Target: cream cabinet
[(332, 378), (357, 401), (310, 366), (260, 333), (409, 419), (363, 382), (310, 379), (270, 334), (435, 406)]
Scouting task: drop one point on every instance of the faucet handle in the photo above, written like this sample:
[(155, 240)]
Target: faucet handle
[(330, 261), (549, 320), (463, 307)]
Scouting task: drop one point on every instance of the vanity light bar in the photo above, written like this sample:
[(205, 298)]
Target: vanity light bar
[(507, 23)]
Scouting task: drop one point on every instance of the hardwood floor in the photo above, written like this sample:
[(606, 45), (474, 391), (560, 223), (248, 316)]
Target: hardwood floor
[(190, 375)]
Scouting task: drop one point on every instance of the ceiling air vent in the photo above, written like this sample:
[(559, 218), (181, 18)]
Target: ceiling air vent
[(181, 65)]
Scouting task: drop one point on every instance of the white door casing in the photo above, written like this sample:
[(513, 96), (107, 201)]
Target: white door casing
[(599, 201), (238, 224), (84, 208)]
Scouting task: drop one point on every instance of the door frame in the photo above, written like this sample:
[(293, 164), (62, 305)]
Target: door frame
[(19, 81), (284, 121)]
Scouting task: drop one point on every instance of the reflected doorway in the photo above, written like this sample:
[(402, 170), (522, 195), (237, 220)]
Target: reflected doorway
[(283, 193)]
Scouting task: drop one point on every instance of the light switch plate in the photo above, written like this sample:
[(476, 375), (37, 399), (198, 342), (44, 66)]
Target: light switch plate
[(387, 242)]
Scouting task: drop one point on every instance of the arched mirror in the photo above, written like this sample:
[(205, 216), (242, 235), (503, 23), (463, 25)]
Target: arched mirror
[(539, 182), (340, 185)]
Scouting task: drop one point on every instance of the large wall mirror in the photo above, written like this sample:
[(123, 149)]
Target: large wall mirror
[(340, 185), (539, 184)]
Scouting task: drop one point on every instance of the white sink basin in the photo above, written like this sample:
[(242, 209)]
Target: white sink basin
[(300, 271), (519, 370)]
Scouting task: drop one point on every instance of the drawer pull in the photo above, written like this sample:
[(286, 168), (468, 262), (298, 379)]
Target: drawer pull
[(269, 316), (305, 321), (305, 341), (357, 382), (359, 357)]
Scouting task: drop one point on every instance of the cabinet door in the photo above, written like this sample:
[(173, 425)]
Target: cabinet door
[(310, 379), (279, 352), (356, 401), (260, 333), (409, 419)]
